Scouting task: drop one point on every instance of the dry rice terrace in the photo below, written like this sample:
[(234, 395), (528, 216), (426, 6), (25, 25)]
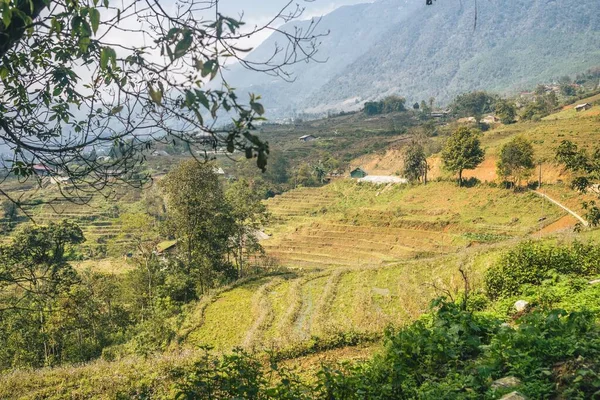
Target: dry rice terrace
[(361, 257), (349, 224)]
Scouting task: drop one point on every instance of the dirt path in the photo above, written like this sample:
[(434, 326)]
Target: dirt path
[(573, 213)]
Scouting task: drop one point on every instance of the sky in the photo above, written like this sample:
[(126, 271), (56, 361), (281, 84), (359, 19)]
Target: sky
[(257, 12)]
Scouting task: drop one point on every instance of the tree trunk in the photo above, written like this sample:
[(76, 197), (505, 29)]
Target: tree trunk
[(460, 180)]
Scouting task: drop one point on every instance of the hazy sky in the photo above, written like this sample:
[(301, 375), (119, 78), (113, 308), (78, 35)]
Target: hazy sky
[(258, 9), (261, 11)]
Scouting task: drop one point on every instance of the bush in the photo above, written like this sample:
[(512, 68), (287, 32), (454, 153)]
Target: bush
[(531, 263)]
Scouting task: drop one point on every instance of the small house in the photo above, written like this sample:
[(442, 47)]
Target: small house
[(160, 153), (358, 173), (307, 138), (490, 119), (583, 107), (218, 171), (166, 247), (42, 170)]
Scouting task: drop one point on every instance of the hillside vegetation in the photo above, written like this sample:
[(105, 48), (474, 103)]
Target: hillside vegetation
[(409, 49), (353, 270)]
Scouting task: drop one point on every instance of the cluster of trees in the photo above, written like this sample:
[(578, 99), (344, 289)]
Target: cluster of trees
[(51, 313), (586, 166), (463, 151), (387, 105), (316, 173), (544, 103), (477, 104), (474, 104)]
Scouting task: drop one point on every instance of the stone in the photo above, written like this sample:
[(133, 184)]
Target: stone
[(594, 282), (507, 382), (521, 305), (513, 396)]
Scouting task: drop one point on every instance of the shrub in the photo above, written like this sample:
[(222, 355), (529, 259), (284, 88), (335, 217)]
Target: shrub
[(531, 263)]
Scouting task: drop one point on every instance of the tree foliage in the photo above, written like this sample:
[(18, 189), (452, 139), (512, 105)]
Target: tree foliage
[(415, 166), (199, 218), (83, 76), (474, 104), (506, 111), (387, 105), (250, 216), (587, 167), (462, 151), (34, 276), (516, 161)]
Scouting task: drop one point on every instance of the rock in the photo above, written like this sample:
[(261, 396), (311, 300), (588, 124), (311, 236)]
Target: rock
[(594, 282), (506, 383), (521, 305), (513, 396)]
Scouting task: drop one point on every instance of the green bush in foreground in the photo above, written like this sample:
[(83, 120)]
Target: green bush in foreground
[(532, 263), (450, 353)]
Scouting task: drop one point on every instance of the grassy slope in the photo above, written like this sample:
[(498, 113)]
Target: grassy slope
[(361, 268)]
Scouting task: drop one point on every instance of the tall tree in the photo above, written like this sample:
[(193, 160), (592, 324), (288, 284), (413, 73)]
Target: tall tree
[(34, 272), (249, 215), (516, 160), (587, 167), (200, 219), (415, 165), (462, 151)]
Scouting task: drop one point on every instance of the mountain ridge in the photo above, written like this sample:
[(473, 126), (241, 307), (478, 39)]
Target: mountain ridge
[(406, 48)]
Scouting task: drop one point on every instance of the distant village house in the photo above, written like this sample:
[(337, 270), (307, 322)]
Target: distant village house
[(490, 119), (358, 173), (583, 107), (42, 170), (307, 138)]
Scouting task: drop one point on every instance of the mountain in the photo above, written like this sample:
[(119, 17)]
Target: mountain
[(417, 51)]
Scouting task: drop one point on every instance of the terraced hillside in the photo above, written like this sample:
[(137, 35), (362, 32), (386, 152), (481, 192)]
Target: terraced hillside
[(98, 219), (284, 310), (350, 224), (362, 257)]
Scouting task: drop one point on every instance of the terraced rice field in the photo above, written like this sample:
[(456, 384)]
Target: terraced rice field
[(362, 258), (98, 220), (346, 224), (276, 312)]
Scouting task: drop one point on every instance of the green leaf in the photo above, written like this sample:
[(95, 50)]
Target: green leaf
[(257, 108), (116, 110), (207, 68), (190, 98), (183, 45), (3, 72), (108, 54), (199, 116), (201, 97), (6, 15), (95, 19), (155, 95), (261, 161)]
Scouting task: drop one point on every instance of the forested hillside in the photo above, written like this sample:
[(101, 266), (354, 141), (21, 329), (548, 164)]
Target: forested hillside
[(421, 52)]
